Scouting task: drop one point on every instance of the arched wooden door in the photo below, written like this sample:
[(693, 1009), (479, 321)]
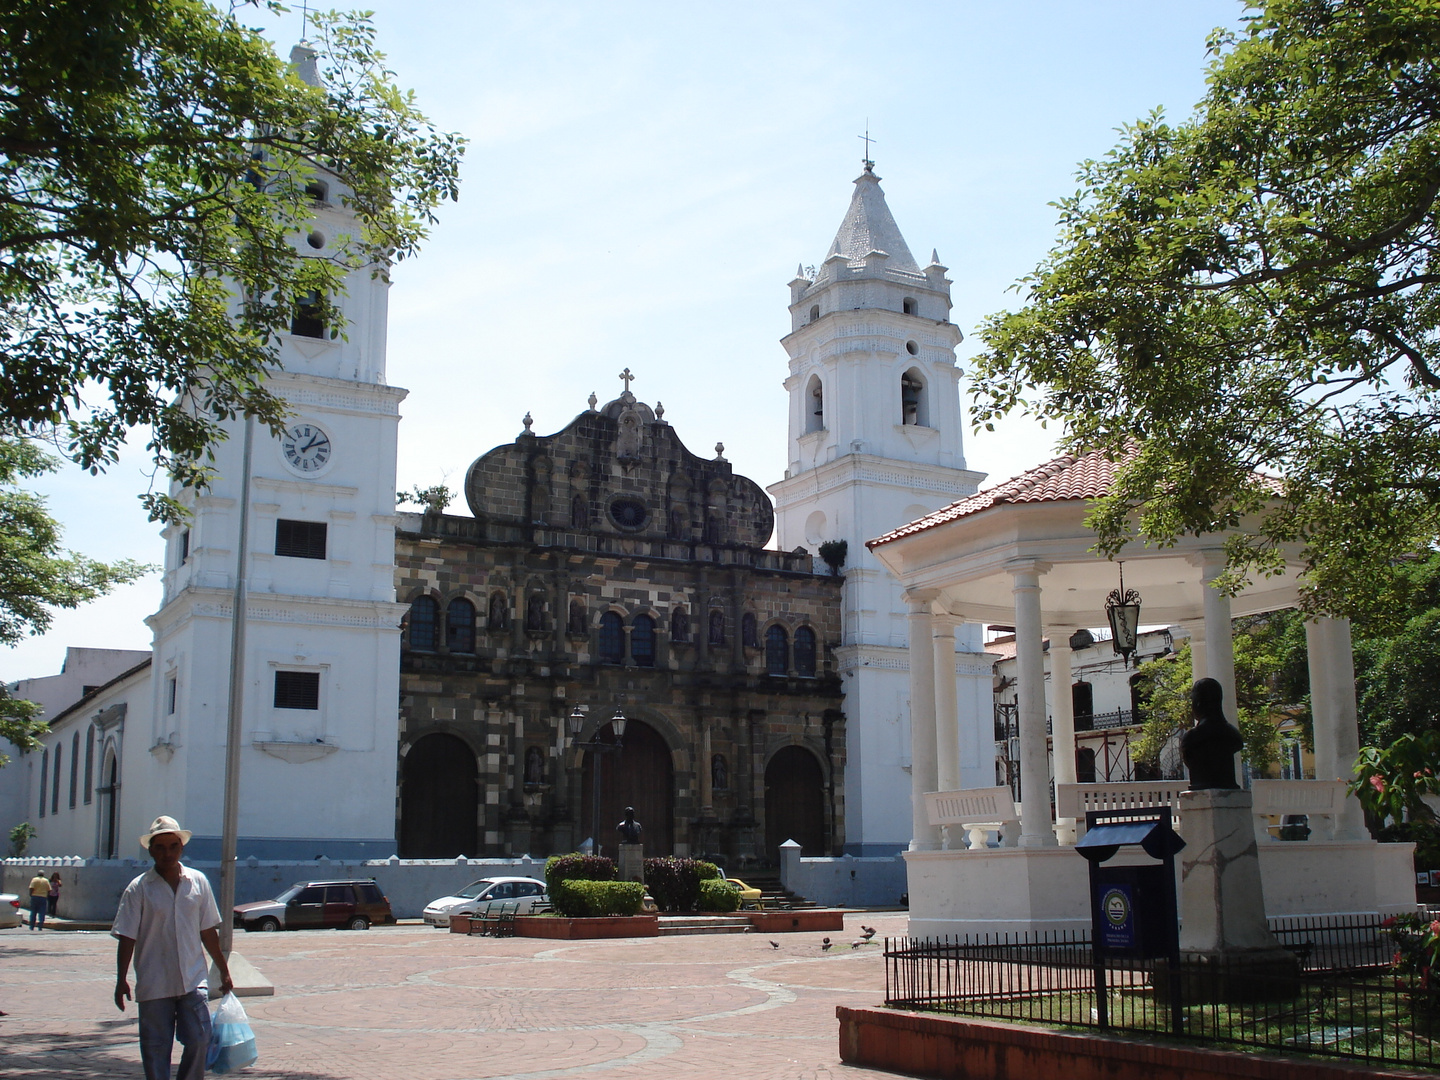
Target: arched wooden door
[(794, 802), (439, 800), (639, 775)]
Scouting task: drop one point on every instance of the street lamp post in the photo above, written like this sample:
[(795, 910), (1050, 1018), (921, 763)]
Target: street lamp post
[(598, 748)]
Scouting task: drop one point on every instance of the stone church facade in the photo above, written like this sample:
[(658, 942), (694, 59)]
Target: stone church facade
[(607, 567)]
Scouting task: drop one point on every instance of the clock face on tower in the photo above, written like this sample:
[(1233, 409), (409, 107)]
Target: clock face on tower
[(306, 447)]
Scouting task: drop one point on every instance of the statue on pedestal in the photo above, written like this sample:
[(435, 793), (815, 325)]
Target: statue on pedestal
[(1209, 748), (630, 830)]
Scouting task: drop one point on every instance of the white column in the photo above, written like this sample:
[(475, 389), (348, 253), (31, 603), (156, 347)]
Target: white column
[(1198, 652), (1219, 638), (1062, 713), (1334, 714), (924, 775), (947, 706), (1035, 827)]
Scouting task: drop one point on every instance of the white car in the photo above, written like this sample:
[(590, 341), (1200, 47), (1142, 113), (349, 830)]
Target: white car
[(481, 896), (10, 914)]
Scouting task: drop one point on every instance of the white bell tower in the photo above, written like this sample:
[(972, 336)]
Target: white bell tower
[(875, 441), (322, 648)]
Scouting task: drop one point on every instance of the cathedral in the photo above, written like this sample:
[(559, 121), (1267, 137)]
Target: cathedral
[(435, 684)]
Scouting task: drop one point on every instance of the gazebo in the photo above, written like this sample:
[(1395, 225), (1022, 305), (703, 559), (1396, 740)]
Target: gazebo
[(1020, 554)]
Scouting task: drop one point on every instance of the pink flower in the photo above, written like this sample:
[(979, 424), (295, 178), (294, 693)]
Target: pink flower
[(1435, 928), (1378, 784)]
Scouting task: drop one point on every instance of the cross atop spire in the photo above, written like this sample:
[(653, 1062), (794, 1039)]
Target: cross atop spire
[(627, 379), (866, 161)]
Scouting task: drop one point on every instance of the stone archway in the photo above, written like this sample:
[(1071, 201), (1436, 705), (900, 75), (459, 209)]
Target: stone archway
[(641, 775), (439, 799), (794, 802)]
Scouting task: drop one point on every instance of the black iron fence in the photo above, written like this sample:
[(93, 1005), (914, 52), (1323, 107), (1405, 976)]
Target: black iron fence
[(1333, 992)]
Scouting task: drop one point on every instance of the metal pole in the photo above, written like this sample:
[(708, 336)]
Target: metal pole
[(595, 797), (231, 824)]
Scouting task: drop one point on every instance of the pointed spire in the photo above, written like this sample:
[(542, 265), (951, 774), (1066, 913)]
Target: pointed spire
[(304, 59), (869, 226), (934, 256)]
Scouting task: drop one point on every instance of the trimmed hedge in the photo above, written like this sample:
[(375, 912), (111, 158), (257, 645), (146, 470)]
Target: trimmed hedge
[(674, 882), (717, 894), (707, 870), (580, 899), (577, 867)]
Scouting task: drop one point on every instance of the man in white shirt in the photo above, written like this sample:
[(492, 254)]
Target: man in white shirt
[(167, 921)]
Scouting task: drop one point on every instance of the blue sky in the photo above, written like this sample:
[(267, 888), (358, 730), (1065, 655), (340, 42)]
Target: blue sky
[(643, 178)]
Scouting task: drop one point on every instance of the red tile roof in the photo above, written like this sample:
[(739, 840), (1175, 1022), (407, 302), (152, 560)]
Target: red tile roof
[(1064, 479)]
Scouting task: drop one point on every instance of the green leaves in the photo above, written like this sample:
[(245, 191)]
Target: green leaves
[(154, 163), (1251, 294)]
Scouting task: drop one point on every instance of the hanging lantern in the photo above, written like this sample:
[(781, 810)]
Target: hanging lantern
[(1122, 608)]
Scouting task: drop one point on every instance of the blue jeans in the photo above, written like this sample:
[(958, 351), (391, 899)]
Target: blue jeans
[(162, 1021), (38, 906)]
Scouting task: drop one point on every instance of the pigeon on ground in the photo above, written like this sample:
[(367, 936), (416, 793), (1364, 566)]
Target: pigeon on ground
[(858, 942), (825, 944), (774, 944), (867, 932)]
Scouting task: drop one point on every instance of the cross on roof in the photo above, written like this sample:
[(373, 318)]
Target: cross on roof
[(869, 165), (627, 379)]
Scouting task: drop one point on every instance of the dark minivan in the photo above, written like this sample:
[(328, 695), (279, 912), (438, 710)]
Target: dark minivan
[(314, 905)]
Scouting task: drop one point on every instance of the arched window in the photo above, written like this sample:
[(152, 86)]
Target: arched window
[(306, 322), (805, 652), (1082, 700), (912, 400), (777, 651), (679, 525), (642, 641), (460, 626), (499, 615), (74, 768), (535, 613), (814, 312), (612, 638), (814, 405), (717, 627), (55, 780), (44, 777), (424, 624), (579, 512), (577, 617), (908, 306), (749, 635), (680, 625), (89, 764)]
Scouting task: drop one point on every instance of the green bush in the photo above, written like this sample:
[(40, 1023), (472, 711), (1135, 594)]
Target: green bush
[(580, 899), (577, 867), (674, 882), (717, 894), (707, 870)]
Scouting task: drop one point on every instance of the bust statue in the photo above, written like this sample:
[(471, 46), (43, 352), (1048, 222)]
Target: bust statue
[(1208, 749), (629, 829)]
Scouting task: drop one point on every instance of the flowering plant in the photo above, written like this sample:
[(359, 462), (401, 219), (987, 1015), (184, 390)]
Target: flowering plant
[(1417, 951), (1392, 781)]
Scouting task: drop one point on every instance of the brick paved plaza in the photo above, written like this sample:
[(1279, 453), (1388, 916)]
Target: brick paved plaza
[(412, 1003)]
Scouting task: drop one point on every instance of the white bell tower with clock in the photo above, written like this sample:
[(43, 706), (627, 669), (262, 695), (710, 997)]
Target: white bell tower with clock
[(322, 646)]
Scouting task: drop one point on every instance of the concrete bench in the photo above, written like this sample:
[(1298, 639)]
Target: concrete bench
[(977, 810), (1075, 800), (1313, 798)]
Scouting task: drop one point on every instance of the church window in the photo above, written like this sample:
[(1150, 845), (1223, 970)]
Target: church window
[(577, 617), (717, 628), (89, 764), (805, 652), (318, 191), (300, 539), (712, 528), (814, 312), (612, 638), (579, 512), (749, 635), (298, 689), (815, 405), (680, 625), (74, 768), (908, 305), (499, 615), (628, 513), (535, 613), (460, 626), (55, 780), (171, 689), (679, 526), (642, 641), (424, 624), (184, 544), (777, 651), (306, 322), (44, 777), (912, 400)]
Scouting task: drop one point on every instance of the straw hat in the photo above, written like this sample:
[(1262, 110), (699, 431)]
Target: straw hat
[(164, 824)]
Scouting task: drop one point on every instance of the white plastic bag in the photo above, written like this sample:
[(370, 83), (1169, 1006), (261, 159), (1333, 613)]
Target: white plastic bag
[(232, 1043)]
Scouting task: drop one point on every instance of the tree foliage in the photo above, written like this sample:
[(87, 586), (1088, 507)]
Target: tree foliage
[(1248, 302), (38, 575), (154, 163)]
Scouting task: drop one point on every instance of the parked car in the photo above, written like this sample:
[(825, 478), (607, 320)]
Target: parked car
[(749, 894), (9, 909), (312, 905), (479, 897)]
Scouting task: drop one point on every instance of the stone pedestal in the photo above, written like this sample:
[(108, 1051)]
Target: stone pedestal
[(1224, 940), (631, 866)]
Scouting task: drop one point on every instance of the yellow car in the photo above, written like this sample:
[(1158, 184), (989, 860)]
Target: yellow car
[(749, 895)]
